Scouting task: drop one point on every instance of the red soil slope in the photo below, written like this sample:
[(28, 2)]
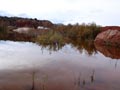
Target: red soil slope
[(110, 27)]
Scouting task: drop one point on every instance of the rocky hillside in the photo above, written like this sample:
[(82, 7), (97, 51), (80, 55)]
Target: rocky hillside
[(110, 28), (25, 22), (109, 37)]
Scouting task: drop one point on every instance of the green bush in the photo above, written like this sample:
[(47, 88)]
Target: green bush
[(51, 37), (83, 31), (60, 34)]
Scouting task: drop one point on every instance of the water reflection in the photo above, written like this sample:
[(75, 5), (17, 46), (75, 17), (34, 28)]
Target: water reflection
[(23, 66), (112, 52), (81, 46), (33, 80), (85, 46), (88, 46), (81, 82), (51, 47)]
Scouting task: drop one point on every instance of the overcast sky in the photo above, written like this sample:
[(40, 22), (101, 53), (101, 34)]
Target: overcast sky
[(103, 12)]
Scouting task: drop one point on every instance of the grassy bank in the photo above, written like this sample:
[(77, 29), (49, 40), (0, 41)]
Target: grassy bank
[(58, 35), (65, 33)]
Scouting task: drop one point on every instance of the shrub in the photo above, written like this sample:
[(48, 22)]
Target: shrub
[(51, 37)]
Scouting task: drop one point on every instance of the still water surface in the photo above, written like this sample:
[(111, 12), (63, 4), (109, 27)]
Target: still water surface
[(28, 66)]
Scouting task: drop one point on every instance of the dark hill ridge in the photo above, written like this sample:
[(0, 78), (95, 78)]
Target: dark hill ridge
[(24, 22)]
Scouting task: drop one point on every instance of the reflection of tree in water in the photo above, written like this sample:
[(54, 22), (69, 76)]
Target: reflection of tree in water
[(38, 85), (93, 76), (116, 64), (88, 46), (81, 81), (33, 81), (52, 47)]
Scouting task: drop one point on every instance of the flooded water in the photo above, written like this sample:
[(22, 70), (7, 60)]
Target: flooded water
[(28, 66)]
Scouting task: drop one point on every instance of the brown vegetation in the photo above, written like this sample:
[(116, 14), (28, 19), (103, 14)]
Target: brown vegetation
[(56, 34), (80, 32)]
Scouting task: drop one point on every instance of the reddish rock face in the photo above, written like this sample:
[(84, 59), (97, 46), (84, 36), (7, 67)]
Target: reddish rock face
[(112, 52), (33, 23), (109, 37), (110, 27), (25, 22)]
